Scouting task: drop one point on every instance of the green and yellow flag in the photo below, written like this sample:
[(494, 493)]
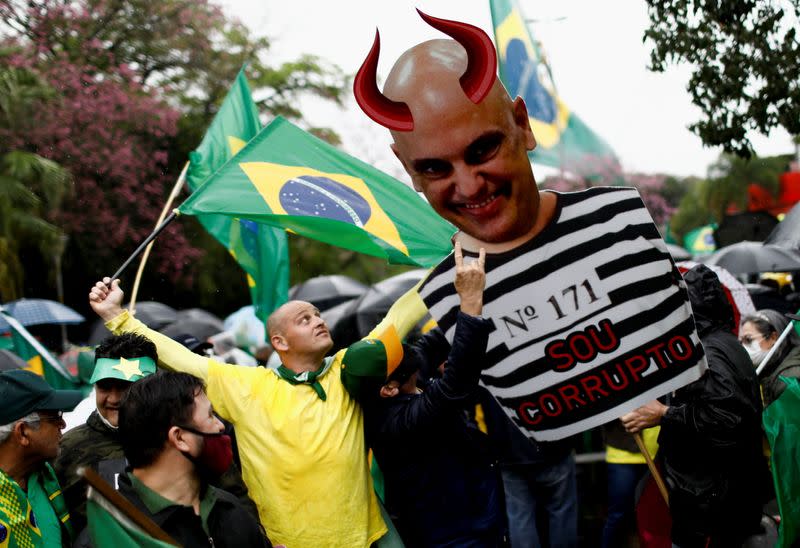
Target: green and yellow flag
[(262, 251), (108, 526), (563, 140), (38, 363), (288, 178)]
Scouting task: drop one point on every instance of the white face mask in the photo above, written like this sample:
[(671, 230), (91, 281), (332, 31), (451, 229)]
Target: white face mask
[(756, 353)]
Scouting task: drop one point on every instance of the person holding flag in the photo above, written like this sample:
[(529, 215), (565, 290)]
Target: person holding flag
[(300, 427)]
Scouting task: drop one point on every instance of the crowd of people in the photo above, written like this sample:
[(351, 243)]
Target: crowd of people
[(290, 463)]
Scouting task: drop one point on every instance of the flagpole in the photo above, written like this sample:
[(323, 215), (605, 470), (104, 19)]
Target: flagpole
[(125, 506), (171, 217), (775, 347), (652, 466), (172, 195)]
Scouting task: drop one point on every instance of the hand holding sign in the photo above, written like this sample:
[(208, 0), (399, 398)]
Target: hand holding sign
[(470, 281)]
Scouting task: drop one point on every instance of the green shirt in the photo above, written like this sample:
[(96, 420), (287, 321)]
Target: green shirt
[(156, 503)]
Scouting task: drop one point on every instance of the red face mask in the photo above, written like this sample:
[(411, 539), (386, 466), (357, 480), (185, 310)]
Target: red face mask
[(217, 454)]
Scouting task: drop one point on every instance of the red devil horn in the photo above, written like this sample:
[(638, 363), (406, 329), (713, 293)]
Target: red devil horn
[(481, 71), (391, 114)]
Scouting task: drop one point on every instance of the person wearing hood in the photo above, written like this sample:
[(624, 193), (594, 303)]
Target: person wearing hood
[(710, 440), (758, 333)]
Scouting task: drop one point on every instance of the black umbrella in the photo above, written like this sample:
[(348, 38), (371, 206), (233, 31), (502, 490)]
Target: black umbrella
[(199, 329), (325, 292), (750, 226), (372, 306), (153, 314), (200, 315), (787, 232), (753, 257), (10, 361), (335, 314)]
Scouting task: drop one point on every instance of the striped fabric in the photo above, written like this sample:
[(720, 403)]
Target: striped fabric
[(591, 317)]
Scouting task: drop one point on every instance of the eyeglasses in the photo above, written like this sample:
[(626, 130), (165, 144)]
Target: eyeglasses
[(50, 416), (747, 340)]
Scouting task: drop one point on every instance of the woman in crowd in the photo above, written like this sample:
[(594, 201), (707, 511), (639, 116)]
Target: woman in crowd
[(758, 334)]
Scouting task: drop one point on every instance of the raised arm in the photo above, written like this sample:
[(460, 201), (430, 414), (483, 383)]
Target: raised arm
[(105, 298), (464, 362)]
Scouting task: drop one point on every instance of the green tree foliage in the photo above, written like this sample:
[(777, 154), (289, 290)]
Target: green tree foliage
[(725, 189), (746, 59), (143, 80), (31, 187)]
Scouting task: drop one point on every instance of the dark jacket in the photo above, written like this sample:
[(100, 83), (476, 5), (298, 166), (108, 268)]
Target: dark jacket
[(788, 367), (93, 444), (710, 441), (440, 483), (96, 445), (229, 524)]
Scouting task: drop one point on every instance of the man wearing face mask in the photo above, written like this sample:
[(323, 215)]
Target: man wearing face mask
[(174, 442)]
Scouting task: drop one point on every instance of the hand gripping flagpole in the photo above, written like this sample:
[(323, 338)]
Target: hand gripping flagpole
[(172, 195)]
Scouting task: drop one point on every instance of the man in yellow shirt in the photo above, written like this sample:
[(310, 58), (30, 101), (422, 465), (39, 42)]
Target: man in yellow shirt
[(299, 429)]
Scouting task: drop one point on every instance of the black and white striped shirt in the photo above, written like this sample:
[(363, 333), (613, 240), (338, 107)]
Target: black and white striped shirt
[(591, 317)]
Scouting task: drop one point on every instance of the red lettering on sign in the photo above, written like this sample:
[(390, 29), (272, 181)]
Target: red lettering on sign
[(569, 393), (631, 362), (554, 409), (680, 343), (591, 384), (615, 383), (555, 350), (529, 413), (608, 346), (656, 351)]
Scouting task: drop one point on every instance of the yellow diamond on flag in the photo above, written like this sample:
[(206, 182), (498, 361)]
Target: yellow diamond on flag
[(303, 191)]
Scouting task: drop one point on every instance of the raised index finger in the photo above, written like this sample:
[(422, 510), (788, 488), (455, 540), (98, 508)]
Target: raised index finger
[(481, 258), (458, 255)]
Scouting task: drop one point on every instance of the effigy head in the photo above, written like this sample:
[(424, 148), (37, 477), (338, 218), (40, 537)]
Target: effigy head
[(475, 80)]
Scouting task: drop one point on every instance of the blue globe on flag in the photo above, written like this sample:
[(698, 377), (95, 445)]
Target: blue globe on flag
[(323, 197)]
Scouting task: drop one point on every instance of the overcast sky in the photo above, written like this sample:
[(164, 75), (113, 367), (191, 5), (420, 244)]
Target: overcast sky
[(595, 51)]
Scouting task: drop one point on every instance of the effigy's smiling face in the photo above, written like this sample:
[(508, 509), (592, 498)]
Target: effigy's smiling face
[(471, 163), (469, 159)]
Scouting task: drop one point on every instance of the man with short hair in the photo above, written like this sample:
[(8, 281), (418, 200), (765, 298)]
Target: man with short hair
[(556, 263), (119, 362), (174, 442), (33, 512), (300, 427)]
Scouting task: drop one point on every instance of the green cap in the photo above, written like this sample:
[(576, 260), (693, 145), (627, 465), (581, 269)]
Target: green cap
[(23, 392), (86, 365), (125, 369)]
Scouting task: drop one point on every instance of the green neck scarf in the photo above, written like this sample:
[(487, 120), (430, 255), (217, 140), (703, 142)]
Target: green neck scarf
[(307, 377)]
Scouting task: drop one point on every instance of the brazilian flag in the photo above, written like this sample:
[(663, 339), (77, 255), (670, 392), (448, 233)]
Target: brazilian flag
[(290, 179), (262, 251), (563, 140), (43, 365)]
